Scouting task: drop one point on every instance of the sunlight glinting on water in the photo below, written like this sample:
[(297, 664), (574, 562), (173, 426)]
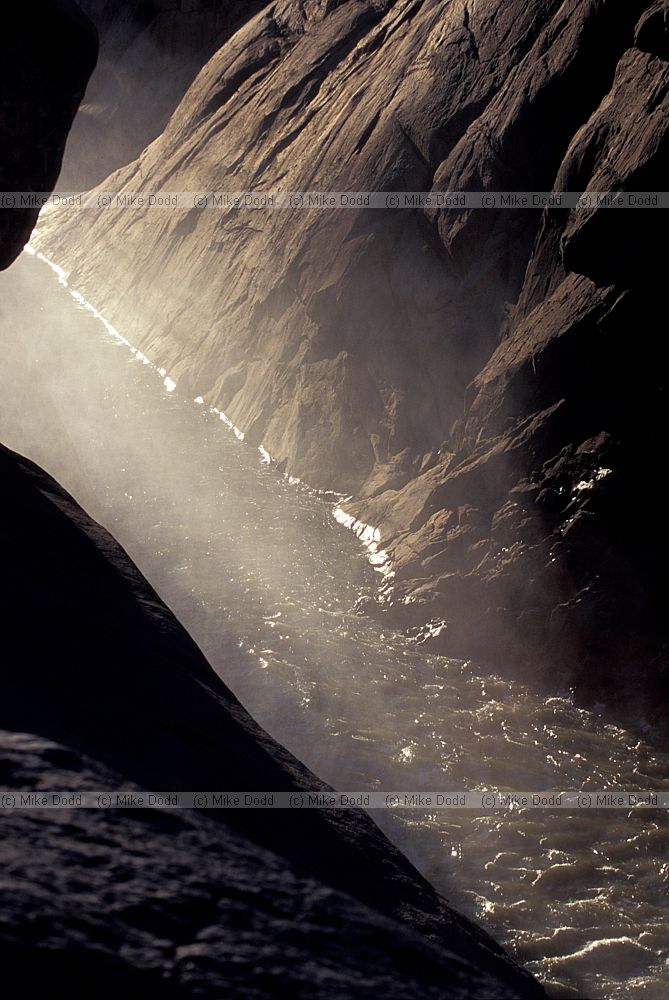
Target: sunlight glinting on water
[(258, 569)]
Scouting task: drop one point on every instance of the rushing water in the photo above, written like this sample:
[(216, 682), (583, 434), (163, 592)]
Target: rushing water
[(266, 581)]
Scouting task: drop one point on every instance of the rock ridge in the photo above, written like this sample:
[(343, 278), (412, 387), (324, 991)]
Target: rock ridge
[(460, 373)]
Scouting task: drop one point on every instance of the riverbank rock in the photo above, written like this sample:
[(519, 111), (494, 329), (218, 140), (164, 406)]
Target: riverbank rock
[(470, 377), (159, 904), (109, 674)]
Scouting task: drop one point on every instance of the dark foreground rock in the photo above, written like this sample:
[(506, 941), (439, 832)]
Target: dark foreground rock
[(100, 665), (160, 905), (488, 385), (40, 92)]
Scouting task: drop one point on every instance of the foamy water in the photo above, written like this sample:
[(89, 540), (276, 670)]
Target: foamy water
[(266, 579)]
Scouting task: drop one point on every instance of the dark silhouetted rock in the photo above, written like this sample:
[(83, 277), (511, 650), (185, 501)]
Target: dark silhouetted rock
[(155, 905), (40, 91)]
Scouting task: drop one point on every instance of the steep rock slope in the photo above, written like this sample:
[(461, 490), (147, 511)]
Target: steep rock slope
[(317, 332), (155, 905), (100, 665), (345, 341), (544, 521)]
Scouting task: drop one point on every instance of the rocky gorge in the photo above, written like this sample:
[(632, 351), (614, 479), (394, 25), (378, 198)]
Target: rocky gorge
[(100, 686), (471, 379)]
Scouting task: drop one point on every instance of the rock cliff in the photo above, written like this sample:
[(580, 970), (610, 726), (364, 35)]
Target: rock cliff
[(100, 686), (471, 378)]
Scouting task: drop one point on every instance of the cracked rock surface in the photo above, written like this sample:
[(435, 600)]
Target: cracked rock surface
[(486, 384)]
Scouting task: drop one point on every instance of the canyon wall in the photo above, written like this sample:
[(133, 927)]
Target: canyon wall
[(486, 384), (101, 688)]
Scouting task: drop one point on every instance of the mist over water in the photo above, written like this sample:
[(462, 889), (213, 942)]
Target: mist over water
[(265, 579)]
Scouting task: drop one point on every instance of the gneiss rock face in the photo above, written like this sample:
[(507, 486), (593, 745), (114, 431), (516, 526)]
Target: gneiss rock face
[(547, 514), (345, 341), (339, 339), (40, 91), (99, 664)]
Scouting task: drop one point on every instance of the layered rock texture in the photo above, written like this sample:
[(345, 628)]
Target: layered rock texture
[(100, 687), (486, 384)]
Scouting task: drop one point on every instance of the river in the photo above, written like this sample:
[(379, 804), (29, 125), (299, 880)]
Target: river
[(266, 580)]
